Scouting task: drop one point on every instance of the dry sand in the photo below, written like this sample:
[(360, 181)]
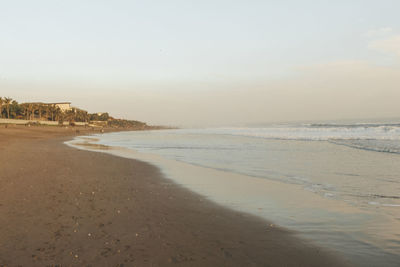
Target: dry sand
[(60, 206)]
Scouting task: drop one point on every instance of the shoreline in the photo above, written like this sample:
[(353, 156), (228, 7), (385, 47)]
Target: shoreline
[(67, 206)]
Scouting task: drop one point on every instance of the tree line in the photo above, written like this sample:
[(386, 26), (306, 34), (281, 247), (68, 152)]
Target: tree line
[(11, 109)]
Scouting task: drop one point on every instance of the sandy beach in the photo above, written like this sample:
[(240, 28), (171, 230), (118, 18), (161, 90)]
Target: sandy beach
[(61, 206)]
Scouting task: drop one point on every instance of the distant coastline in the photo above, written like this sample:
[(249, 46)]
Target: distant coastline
[(62, 114)]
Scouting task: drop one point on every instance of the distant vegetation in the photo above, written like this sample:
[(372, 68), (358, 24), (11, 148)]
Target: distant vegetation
[(11, 109)]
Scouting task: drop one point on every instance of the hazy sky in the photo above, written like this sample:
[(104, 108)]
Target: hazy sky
[(205, 62)]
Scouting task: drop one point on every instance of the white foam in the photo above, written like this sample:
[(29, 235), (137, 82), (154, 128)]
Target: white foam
[(310, 133)]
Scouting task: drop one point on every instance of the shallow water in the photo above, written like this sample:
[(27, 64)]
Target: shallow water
[(329, 190)]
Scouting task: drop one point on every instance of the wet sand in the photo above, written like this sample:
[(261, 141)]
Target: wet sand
[(68, 207)]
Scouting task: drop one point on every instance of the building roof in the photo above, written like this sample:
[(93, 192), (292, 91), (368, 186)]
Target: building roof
[(56, 103)]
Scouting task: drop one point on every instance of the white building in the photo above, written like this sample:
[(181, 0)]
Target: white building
[(64, 106)]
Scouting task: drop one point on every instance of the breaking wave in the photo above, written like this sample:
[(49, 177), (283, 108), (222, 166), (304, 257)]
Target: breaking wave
[(383, 137)]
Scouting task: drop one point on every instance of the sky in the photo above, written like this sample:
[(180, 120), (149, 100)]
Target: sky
[(205, 63)]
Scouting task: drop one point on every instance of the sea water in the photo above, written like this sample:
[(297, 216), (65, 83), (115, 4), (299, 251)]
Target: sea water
[(337, 185)]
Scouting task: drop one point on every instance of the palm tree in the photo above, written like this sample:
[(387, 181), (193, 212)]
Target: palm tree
[(40, 110), (7, 102), (69, 116), (26, 111), (81, 115), (43, 110), (30, 111), (58, 115), (53, 112), (33, 110), (23, 110), (1, 106), (15, 109), (85, 116), (47, 111), (37, 107)]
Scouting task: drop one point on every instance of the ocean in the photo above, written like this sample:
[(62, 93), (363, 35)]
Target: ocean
[(335, 184)]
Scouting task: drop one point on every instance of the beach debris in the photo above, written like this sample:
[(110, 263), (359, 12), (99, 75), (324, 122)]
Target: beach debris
[(137, 234), (89, 234), (92, 192), (76, 256), (118, 211), (172, 260)]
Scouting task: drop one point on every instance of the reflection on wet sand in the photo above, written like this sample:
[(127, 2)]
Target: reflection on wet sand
[(90, 145), (356, 233)]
